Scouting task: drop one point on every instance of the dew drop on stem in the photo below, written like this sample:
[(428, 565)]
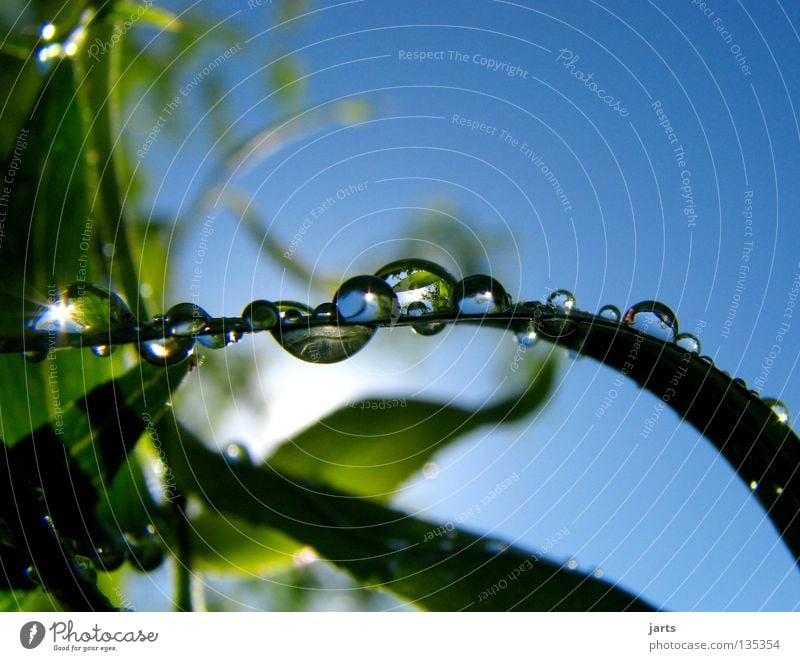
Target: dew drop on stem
[(419, 281), (653, 318), (366, 298), (480, 294)]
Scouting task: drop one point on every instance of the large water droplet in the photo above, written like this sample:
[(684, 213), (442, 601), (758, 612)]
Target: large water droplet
[(653, 318), (480, 294), (366, 298), (166, 351), (261, 315), (83, 308), (562, 300), (331, 343), (419, 281), (780, 409), (185, 319), (610, 313), (688, 342)]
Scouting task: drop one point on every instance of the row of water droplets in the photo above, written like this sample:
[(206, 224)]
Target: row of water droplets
[(414, 292)]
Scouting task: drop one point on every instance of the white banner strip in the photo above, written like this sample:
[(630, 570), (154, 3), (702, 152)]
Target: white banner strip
[(400, 636)]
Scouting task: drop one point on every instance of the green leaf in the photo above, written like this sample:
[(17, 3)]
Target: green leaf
[(383, 548), (130, 13), (286, 76), (372, 446), (230, 544)]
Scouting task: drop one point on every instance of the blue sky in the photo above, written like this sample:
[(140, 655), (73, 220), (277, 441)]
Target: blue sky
[(503, 102)]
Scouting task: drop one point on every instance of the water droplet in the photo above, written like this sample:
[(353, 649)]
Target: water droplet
[(598, 573), (83, 308), (325, 311), (147, 553), (495, 546), (167, 351), (35, 355), (32, 575), (527, 337), (572, 564), (396, 544), (707, 359), (610, 313), (480, 294), (103, 350), (85, 568), (419, 281), (653, 318), (740, 382), (236, 453), (366, 298), (753, 485), (778, 490), (562, 300), (430, 470), (261, 315), (219, 340), (780, 409), (47, 31), (290, 311), (428, 328), (419, 309), (185, 320), (688, 342), (109, 556), (323, 344)]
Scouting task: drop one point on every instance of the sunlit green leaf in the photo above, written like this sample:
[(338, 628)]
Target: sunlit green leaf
[(370, 447)]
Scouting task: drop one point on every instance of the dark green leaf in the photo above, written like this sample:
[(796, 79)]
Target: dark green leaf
[(384, 548)]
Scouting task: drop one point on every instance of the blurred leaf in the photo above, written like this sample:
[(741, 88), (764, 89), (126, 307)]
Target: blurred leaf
[(225, 544), (384, 548), (372, 446), (286, 77), (52, 233), (147, 14)]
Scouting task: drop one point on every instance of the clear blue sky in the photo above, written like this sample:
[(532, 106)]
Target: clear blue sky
[(506, 96)]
